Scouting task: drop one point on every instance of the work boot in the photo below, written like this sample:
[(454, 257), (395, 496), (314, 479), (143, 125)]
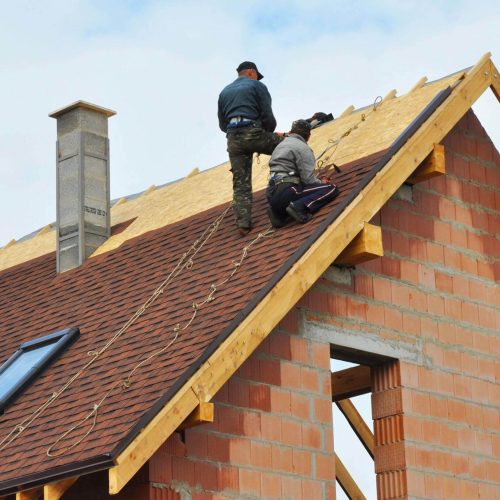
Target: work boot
[(297, 214), (244, 230), (276, 220)]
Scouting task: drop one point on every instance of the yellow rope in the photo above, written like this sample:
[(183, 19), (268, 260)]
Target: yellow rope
[(185, 262), (127, 382), (335, 142)]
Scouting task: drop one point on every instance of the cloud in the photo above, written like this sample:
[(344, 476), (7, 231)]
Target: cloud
[(161, 65)]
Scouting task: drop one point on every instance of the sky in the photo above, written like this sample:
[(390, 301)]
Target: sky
[(161, 65)]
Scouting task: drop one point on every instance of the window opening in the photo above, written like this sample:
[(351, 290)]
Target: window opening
[(29, 361), (352, 407)]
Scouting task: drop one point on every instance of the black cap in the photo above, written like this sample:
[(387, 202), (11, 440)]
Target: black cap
[(249, 65), (301, 127)]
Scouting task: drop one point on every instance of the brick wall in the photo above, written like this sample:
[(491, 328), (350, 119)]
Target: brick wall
[(272, 432), (436, 415)]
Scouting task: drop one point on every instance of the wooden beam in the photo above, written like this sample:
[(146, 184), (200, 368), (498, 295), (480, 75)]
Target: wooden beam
[(346, 481), (351, 382), (495, 80), (367, 245), (358, 425), (257, 325), (54, 491), (390, 95), (347, 111), (432, 166), (202, 414), (32, 494), (418, 85)]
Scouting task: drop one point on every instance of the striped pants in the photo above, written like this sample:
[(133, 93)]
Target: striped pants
[(306, 197)]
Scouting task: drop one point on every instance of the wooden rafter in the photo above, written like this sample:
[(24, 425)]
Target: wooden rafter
[(419, 84), (346, 481), (390, 95), (33, 494), (358, 425), (367, 245), (54, 491), (347, 111), (202, 414), (432, 166), (257, 325), (351, 382)]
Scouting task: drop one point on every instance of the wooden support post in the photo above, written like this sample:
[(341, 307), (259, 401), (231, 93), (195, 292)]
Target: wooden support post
[(33, 494), (367, 245), (346, 481), (418, 85), (358, 425), (54, 491), (202, 414), (351, 382), (432, 166)]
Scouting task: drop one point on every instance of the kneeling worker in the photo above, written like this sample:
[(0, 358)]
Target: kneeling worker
[(294, 190)]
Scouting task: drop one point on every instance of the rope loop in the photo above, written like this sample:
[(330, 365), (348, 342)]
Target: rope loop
[(92, 353), (377, 102), (189, 264)]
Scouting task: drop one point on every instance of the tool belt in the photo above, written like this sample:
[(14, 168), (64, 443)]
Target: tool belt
[(239, 121), (276, 179)]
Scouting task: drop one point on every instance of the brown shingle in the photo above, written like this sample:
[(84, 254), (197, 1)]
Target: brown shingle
[(101, 295)]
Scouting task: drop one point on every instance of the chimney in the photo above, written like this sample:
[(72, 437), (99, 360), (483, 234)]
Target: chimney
[(83, 197)]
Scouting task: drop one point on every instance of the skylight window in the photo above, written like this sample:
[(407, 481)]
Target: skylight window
[(29, 360)]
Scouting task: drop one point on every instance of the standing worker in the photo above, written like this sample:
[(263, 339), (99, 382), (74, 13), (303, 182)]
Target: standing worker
[(245, 114), (294, 191)]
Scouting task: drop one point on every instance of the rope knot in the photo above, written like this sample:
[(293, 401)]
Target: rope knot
[(195, 306), (177, 327), (126, 383), (189, 264), (92, 353)]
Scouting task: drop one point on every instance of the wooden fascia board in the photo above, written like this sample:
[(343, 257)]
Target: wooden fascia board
[(304, 273), (367, 245), (346, 481), (432, 166), (54, 491), (358, 425), (495, 80), (351, 382), (202, 414)]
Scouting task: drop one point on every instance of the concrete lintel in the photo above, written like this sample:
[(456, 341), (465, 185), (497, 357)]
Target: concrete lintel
[(368, 343)]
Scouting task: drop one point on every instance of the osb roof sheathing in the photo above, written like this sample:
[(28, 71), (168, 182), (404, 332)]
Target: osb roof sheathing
[(160, 207), (102, 294)]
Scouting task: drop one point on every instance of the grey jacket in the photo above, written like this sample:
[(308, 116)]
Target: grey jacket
[(246, 98), (294, 157)]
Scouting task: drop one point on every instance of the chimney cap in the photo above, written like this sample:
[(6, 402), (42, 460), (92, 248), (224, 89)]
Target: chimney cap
[(82, 104)]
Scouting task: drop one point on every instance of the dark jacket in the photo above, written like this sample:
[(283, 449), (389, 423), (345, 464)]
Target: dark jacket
[(246, 98)]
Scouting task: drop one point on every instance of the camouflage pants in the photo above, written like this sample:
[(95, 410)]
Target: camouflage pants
[(242, 143)]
